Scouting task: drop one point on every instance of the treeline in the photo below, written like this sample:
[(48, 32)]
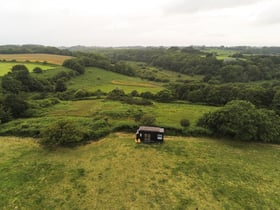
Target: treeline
[(267, 95), (21, 49), (241, 120), (94, 60), (193, 62)]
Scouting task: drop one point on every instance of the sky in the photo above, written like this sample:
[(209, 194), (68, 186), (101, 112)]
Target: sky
[(140, 22)]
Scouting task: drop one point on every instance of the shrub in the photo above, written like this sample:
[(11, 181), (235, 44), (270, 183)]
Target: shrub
[(148, 119), (37, 70), (15, 105), (243, 121), (60, 86), (81, 93), (185, 123), (62, 133)]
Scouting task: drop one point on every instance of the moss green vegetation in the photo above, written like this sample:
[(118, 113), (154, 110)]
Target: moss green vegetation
[(167, 114), (91, 115), (5, 67), (95, 78), (116, 173), (144, 70)]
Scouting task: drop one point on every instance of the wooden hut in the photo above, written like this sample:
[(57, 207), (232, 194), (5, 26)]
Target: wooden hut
[(147, 134)]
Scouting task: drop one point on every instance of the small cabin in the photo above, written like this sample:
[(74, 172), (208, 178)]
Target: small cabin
[(147, 134)]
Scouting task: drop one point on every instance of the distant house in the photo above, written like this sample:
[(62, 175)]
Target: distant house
[(146, 134)]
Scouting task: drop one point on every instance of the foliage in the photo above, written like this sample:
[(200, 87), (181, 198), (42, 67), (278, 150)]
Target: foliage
[(60, 86), (74, 65), (148, 119), (243, 121), (15, 105), (62, 133), (184, 122), (37, 70), (14, 49), (19, 79), (5, 114)]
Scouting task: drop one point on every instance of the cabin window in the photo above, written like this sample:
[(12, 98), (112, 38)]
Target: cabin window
[(147, 137), (159, 136)]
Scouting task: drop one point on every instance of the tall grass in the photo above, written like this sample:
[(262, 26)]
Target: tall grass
[(116, 173)]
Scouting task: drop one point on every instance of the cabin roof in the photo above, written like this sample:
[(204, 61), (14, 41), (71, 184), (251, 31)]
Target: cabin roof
[(151, 129)]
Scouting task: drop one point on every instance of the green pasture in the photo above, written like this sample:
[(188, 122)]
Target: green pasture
[(116, 173), (167, 114), (5, 67), (95, 78)]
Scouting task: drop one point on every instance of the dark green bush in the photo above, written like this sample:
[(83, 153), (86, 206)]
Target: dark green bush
[(185, 122), (148, 119), (37, 70), (62, 133), (243, 121)]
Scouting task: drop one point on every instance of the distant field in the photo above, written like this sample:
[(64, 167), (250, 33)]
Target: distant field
[(49, 58), (116, 173), (95, 78), (5, 67), (167, 114), (144, 69), (220, 53)]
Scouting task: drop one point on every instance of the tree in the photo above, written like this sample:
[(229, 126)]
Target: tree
[(276, 101), (60, 86), (185, 123), (10, 84), (243, 121), (164, 96), (74, 65), (37, 70), (148, 119), (5, 114), (15, 105), (62, 133)]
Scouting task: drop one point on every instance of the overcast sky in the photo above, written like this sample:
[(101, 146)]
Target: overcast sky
[(140, 22)]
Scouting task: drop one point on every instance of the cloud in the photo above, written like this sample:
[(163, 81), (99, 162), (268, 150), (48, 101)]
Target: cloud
[(269, 15), (193, 6)]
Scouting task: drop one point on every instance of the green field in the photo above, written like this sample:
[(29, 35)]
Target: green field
[(116, 173), (5, 67), (49, 58), (95, 78), (167, 114)]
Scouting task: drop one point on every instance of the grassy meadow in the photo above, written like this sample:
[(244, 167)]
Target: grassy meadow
[(95, 78), (5, 67), (167, 114), (49, 58), (116, 173)]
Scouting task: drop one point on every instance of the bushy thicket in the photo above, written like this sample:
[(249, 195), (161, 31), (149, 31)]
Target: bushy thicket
[(194, 62), (243, 121), (119, 95), (62, 133), (19, 79)]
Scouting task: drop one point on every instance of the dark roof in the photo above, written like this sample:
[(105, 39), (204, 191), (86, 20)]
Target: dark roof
[(152, 129)]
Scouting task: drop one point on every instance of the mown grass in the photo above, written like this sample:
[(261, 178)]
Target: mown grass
[(95, 78), (5, 67), (116, 173), (49, 58)]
